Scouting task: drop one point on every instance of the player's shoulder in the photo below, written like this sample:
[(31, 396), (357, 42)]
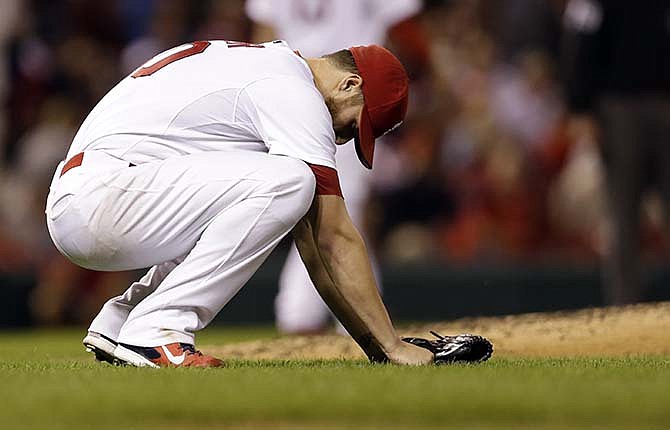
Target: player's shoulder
[(290, 91), (288, 75), (290, 102), (283, 54)]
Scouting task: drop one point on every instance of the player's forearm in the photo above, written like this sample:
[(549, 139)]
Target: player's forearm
[(339, 266), (347, 261)]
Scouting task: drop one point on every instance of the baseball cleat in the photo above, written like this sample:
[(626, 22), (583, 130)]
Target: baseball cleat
[(100, 345), (170, 355), (465, 348)]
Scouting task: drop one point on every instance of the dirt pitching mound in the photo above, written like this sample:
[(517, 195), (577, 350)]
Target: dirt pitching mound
[(615, 331)]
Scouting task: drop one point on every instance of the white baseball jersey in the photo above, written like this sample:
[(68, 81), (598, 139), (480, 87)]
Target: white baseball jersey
[(338, 23), (213, 96)]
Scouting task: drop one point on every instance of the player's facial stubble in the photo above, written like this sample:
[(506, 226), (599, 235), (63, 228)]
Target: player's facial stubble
[(345, 113)]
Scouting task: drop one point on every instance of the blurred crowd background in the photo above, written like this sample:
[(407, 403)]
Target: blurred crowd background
[(491, 166)]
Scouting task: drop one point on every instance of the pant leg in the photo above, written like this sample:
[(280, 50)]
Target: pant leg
[(624, 160), (114, 312), (298, 306), (224, 211), (657, 133)]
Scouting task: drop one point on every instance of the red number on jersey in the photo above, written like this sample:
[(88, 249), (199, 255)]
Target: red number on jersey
[(232, 44), (186, 51)]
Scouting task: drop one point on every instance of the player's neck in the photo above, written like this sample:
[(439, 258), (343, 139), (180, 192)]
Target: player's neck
[(326, 77)]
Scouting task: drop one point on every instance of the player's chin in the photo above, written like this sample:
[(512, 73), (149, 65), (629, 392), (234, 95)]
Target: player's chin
[(344, 133), (342, 140)]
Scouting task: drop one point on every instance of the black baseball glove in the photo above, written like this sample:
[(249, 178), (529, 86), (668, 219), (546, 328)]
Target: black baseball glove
[(466, 348)]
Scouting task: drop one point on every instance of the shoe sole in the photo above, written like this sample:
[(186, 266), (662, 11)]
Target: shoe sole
[(101, 348), (129, 357)]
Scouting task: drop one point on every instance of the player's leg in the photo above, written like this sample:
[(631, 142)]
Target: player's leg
[(657, 132), (624, 155), (141, 216), (298, 307), (229, 250), (101, 338), (146, 215), (115, 311)]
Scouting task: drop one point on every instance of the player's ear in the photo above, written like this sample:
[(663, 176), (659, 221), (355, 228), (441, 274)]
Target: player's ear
[(351, 82)]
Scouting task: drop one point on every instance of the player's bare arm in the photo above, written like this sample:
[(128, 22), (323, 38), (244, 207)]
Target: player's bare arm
[(338, 263)]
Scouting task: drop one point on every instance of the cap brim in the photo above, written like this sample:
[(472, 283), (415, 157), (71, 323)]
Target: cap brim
[(365, 141)]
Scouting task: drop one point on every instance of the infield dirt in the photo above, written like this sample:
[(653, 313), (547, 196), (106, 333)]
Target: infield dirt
[(634, 330)]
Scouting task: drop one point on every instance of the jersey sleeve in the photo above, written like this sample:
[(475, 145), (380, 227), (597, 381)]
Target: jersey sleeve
[(327, 181), (261, 11), (293, 120)]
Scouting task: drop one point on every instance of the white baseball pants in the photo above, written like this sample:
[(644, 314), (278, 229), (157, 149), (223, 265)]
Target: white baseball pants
[(205, 222)]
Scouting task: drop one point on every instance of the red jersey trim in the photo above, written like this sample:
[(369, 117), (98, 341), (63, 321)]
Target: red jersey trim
[(327, 181)]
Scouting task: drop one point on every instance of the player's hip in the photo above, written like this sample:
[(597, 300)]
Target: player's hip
[(106, 215)]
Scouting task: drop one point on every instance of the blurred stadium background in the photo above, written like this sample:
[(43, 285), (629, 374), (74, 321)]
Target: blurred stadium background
[(491, 198)]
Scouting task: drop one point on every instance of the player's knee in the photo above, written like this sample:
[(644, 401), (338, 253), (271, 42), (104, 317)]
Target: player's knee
[(297, 188), (305, 184)]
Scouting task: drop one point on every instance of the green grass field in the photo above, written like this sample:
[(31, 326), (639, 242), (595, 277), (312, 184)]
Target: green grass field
[(49, 382)]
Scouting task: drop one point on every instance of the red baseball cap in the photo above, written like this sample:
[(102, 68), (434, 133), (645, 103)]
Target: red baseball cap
[(384, 87)]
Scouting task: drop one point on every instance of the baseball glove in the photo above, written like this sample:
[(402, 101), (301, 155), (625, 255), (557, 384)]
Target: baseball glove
[(466, 348)]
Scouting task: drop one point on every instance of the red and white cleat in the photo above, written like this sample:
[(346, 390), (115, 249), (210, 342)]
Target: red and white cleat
[(170, 355)]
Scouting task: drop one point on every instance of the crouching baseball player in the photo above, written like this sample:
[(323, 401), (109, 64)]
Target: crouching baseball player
[(199, 163)]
